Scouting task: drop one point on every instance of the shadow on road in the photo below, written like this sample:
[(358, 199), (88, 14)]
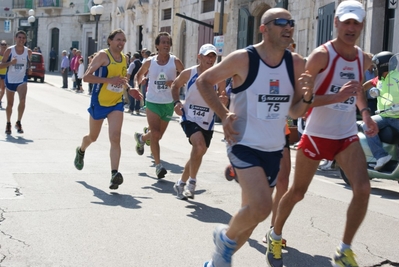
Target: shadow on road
[(18, 140), (293, 257), (205, 213), (113, 198)]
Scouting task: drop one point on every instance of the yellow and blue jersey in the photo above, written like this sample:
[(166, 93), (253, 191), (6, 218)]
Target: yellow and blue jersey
[(105, 94)]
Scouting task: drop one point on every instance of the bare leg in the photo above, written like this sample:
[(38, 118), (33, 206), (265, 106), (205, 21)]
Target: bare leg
[(158, 128), (256, 204), (21, 90), (360, 183), (282, 181), (305, 169), (94, 132), (10, 103), (115, 120)]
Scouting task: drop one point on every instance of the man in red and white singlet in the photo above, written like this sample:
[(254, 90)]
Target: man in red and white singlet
[(330, 133)]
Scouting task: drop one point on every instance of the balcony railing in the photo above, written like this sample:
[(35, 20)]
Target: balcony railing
[(49, 3), (21, 4)]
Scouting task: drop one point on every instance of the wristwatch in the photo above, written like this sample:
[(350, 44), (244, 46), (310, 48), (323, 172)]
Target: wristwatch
[(310, 101)]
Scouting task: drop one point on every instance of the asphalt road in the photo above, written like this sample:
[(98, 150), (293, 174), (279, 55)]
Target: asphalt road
[(54, 215)]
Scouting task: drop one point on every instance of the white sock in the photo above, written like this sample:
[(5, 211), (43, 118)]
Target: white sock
[(342, 246), (275, 236), (192, 179), (180, 182)]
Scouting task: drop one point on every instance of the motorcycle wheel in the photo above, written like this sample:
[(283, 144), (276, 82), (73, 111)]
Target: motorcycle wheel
[(343, 176)]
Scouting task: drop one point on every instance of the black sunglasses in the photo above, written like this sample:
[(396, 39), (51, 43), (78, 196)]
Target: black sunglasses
[(4, 44), (282, 22)]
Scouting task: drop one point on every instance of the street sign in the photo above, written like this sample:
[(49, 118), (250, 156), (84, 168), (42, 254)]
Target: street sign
[(392, 4), (7, 26), (218, 41)]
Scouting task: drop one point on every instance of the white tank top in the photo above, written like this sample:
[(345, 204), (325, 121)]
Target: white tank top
[(262, 102), (17, 73), (195, 108), (157, 91), (335, 121)]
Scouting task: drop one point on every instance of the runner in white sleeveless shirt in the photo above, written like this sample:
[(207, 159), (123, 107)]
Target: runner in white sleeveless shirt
[(162, 69), (197, 119), (330, 132), (17, 61), (266, 87)]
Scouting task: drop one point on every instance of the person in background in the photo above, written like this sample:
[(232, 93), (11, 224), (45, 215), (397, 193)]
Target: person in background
[(90, 59), (64, 69), (39, 50), (17, 59), (3, 48), (76, 67), (72, 66), (369, 75), (81, 72), (53, 59), (387, 82), (135, 65)]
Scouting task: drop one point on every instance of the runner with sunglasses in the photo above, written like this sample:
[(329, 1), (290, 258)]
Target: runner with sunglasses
[(266, 86), (331, 131)]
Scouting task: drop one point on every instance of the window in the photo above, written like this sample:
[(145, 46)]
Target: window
[(167, 29), (325, 23), (166, 14), (208, 6)]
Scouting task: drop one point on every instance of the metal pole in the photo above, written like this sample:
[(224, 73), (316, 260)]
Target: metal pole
[(31, 35), (97, 17), (221, 23)]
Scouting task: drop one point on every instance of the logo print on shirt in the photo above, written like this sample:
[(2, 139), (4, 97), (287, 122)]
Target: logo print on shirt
[(274, 86), (347, 75)]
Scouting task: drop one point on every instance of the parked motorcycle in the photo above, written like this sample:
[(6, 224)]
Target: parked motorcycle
[(388, 135)]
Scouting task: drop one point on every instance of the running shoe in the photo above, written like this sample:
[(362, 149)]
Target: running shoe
[(230, 174), (145, 130), (18, 126), (8, 128), (139, 144), (224, 249), (344, 259), (116, 180), (264, 240), (179, 190), (160, 171), (189, 192), (79, 163), (273, 251)]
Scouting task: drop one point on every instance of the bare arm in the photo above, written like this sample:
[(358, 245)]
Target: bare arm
[(176, 85), (141, 74), (303, 88), (4, 63)]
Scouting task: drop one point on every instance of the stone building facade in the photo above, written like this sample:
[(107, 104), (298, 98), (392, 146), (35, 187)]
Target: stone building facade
[(68, 23)]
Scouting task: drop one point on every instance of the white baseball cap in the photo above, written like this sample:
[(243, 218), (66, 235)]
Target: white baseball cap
[(350, 9), (207, 48)]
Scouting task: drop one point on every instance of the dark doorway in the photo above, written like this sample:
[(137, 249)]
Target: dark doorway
[(55, 43)]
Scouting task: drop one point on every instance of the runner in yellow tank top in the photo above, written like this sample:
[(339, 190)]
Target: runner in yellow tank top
[(109, 80)]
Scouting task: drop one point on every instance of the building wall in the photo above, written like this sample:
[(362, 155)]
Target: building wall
[(76, 24)]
